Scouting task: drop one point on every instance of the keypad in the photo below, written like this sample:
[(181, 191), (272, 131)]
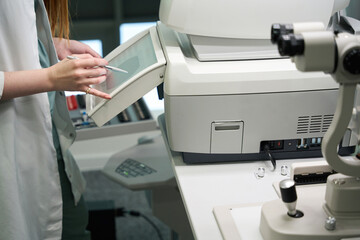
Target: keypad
[(132, 168)]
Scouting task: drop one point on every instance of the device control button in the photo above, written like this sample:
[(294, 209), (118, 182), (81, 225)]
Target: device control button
[(284, 170), (291, 45), (351, 61), (330, 223), (145, 139), (280, 29)]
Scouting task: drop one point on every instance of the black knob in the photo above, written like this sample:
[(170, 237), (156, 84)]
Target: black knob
[(351, 61), (291, 45), (289, 197), (280, 29), (288, 191)]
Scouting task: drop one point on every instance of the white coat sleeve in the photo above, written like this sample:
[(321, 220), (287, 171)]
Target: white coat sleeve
[(1, 83)]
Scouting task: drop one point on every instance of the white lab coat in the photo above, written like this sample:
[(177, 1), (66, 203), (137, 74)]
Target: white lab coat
[(30, 191)]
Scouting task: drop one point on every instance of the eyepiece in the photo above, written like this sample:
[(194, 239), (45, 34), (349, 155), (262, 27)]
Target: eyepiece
[(280, 29), (351, 61), (291, 45)]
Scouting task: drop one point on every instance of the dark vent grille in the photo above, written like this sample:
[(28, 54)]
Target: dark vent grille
[(314, 124)]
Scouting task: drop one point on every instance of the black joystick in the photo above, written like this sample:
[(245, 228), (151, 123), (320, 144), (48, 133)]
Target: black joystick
[(289, 197)]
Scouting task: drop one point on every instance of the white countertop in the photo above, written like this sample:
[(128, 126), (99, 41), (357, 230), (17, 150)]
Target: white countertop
[(206, 186)]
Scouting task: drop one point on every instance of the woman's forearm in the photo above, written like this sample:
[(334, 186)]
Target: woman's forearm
[(67, 75), (23, 83)]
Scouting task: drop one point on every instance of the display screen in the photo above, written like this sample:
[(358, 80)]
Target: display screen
[(134, 59)]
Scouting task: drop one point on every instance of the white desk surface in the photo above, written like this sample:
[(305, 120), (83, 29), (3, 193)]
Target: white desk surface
[(206, 186)]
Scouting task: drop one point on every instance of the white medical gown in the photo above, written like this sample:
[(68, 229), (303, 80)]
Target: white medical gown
[(30, 191)]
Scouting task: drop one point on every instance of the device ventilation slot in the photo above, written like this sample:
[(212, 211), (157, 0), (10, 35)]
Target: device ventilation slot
[(314, 124), (303, 125), (326, 122)]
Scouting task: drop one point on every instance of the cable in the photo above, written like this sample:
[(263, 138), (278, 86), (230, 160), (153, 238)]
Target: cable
[(273, 161), (121, 212), (138, 214)]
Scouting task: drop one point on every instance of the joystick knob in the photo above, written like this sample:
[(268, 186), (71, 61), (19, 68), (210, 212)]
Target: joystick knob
[(289, 197)]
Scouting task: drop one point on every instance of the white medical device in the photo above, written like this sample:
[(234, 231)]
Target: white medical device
[(229, 95), (337, 214)]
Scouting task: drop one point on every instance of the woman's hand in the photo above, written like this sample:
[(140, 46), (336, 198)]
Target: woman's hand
[(66, 48), (78, 74)]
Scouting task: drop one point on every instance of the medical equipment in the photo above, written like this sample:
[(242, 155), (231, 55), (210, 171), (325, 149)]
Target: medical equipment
[(229, 96), (338, 217)]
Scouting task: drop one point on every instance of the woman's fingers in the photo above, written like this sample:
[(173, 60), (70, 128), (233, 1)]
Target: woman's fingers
[(78, 74), (89, 77), (88, 61), (91, 81), (98, 93), (95, 92), (82, 56), (95, 72), (94, 80)]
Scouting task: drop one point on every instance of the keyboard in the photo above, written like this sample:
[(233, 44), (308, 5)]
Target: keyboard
[(132, 168)]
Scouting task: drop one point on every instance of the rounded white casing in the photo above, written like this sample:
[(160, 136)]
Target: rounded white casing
[(246, 19), (186, 76)]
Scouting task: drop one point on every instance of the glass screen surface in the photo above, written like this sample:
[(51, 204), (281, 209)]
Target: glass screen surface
[(134, 59)]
